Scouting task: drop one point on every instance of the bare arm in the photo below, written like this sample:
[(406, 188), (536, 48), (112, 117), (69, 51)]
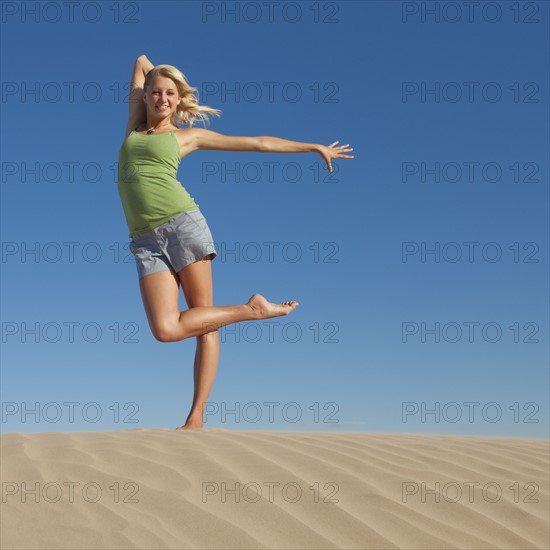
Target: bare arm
[(137, 112), (206, 139), (270, 144), (146, 65)]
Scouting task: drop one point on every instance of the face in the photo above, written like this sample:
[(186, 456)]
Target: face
[(161, 97)]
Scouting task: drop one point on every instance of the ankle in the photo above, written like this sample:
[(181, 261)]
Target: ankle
[(252, 313)]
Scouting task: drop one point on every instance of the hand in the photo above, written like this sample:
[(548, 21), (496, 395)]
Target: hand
[(333, 153)]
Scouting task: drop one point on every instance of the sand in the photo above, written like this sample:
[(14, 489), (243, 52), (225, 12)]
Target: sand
[(161, 488)]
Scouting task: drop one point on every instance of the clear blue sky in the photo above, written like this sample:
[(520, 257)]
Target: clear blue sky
[(447, 113)]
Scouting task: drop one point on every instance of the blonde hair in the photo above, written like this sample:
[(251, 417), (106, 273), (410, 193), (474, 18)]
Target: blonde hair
[(188, 107)]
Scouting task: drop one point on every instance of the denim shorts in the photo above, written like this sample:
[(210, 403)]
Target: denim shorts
[(173, 245)]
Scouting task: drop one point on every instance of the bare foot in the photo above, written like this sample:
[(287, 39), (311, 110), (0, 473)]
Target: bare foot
[(189, 427), (264, 309), (192, 423)]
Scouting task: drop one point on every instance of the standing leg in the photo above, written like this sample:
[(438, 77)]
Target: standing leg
[(207, 357), (196, 281)]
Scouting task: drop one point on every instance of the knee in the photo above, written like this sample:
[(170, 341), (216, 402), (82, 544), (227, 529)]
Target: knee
[(163, 332), (161, 336), (170, 332)]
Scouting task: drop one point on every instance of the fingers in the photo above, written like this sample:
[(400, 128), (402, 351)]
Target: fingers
[(337, 153), (340, 156), (341, 146)]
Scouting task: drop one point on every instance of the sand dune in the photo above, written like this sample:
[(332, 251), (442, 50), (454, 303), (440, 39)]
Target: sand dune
[(145, 488)]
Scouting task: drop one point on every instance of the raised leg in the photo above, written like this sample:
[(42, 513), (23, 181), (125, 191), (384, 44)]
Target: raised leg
[(159, 292)]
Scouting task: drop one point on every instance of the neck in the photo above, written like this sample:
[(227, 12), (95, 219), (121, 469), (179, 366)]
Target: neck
[(158, 123)]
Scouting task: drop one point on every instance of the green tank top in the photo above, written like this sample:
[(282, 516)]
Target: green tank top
[(147, 185)]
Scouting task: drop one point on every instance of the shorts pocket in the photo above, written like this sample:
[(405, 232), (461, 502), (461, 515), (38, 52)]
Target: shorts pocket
[(136, 246), (198, 219), (188, 220)]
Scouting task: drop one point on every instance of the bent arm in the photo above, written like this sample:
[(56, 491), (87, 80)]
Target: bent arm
[(137, 112), (207, 139), (146, 65)]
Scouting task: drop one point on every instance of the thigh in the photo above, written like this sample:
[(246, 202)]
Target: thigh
[(159, 292), (196, 281), (189, 240), (149, 255)]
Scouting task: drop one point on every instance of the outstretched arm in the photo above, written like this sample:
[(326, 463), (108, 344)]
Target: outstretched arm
[(206, 139), (277, 145)]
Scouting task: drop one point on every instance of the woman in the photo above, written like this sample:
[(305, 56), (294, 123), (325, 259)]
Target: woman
[(170, 238)]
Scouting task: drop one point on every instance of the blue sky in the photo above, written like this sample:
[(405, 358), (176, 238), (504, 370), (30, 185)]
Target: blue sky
[(421, 266)]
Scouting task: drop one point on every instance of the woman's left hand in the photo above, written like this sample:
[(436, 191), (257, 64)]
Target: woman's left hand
[(329, 152)]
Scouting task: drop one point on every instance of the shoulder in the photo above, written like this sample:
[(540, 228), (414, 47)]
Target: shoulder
[(194, 131), (130, 127), (201, 138), (190, 136), (193, 139), (186, 138)]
